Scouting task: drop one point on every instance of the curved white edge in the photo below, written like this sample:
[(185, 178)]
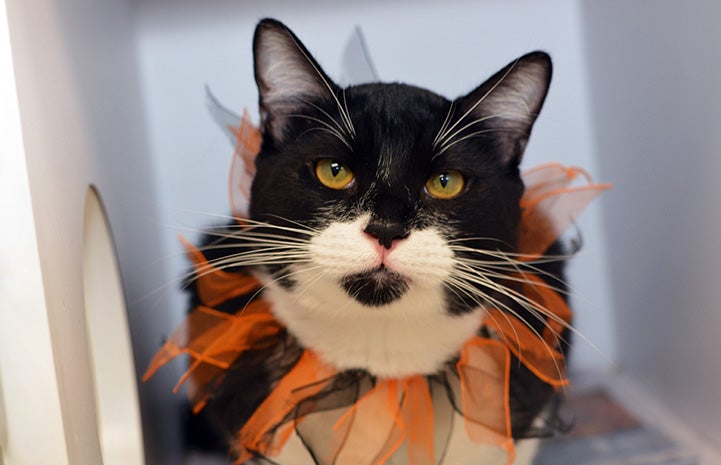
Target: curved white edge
[(31, 402), (111, 355)]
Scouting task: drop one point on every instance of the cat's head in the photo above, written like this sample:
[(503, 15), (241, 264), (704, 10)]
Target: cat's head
[(384, 193)]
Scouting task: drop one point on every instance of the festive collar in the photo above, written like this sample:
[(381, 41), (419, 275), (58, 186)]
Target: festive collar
[(385, 415)]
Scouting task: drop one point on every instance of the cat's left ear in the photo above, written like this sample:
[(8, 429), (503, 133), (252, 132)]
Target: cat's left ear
[(509, 102), (288, 77)]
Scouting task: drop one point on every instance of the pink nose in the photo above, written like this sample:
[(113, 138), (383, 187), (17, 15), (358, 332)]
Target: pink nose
[(387, 234)]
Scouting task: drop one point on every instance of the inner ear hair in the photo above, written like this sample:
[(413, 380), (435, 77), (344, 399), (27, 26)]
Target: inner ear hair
[(509, 102), (288, 77)]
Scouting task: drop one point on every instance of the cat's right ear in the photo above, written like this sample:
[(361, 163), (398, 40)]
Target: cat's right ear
[(288, 77), (509, 102)]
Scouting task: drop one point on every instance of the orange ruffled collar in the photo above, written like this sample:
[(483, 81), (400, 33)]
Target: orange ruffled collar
[(391, 413)]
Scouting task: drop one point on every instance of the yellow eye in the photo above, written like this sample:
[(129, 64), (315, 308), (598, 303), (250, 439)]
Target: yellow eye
[(333, 174), (445, 185)]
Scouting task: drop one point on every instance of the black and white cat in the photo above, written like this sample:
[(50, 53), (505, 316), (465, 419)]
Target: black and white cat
[(371, 207)]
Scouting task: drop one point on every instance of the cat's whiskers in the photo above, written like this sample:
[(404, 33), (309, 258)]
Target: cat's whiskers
[(347, 112), (530, 306), (336, 311), (335, 122), (517, 279), (201, 213), (449, 137), (310, 283), (304, 228), (212, 266), (261, 239), (258, 230), (254, 250), (469, 278), (477, 272), (450, 143), (343, 114), (533, 307), (536, 311), (233, 232), (504, 263), (447, 120), (247, 223), (262, 251), (223, 264), (564, 323), (327, 129), (478, 102), (265, 258), (264, 247), (257, 245), (481, 276), (273, 281), (530, 258), (481, 299)]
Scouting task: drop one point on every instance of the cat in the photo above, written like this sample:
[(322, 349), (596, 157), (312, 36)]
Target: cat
[(373, 211)]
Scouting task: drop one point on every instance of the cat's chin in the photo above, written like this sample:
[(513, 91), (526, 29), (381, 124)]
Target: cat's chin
[(377, 287)]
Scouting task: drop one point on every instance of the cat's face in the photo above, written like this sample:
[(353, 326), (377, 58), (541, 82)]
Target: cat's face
[(385, 192)]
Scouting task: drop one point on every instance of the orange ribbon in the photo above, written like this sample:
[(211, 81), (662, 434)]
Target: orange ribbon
[(393, 412), (375, 427), (214, 339), (265, 432), (551, 203)]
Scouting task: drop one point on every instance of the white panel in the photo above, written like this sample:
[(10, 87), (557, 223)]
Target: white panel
[(116, 396), (82, 124), (28, 388), (655, 74)]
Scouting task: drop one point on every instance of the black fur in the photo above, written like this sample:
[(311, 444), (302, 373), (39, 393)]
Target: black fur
[(395, 127), (375, 288), (392, 155)]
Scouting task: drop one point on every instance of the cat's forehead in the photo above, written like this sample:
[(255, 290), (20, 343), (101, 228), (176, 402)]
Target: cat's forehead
[(394, 103), (395, 124)]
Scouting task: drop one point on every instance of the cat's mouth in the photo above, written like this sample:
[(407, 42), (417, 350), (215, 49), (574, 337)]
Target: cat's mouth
[(377, 287)]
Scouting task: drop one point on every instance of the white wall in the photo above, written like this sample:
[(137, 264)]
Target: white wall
[(449, 47), (655, 73), (82, 124), (22, 312)]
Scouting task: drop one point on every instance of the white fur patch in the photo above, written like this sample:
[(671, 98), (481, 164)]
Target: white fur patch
[(411, 335)]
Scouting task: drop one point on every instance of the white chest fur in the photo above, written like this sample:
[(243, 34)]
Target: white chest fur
[(411, 335), (389, 341)]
